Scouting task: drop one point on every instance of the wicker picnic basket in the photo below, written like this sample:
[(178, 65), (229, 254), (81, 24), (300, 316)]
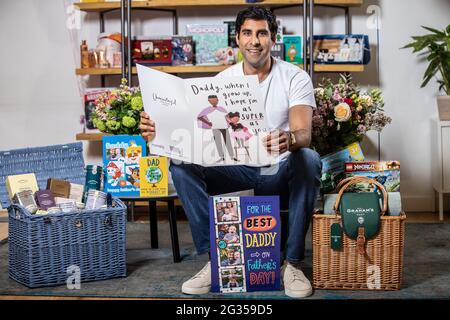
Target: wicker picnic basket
[(62, 161), (379, 268), (44, 250)]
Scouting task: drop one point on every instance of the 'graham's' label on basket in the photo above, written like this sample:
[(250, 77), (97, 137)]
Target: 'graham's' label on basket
[(336, 236)]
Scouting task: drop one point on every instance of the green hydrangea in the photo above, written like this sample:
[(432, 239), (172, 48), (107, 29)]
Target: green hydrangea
[(136, 103), (113, 125), (99, 124), (129, 122)]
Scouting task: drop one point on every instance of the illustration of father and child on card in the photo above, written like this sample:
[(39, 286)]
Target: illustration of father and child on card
[(231, 137)]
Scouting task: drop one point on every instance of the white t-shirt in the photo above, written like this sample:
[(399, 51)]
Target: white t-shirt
[(286, 86)]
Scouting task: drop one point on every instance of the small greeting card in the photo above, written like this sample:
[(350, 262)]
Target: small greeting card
[(154, 176)]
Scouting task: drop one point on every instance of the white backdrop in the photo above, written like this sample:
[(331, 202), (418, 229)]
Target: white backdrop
[(40, 103)]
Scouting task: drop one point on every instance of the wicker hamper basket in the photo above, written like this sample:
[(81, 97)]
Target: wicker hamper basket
[(43, 247), (379, 269)]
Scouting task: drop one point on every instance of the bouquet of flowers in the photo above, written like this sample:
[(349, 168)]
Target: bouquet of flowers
[(344, 114), (117, 111)]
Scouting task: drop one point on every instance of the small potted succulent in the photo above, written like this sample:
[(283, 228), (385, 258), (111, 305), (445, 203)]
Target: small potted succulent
[(435, 47)]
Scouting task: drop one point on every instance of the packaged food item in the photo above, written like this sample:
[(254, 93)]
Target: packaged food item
[(76, 192), (21, 182), (67, 207), (59, 200), (80, 205), (95, 199), (25, 198), (151, 50), (341, 48), (59, 188), (53, 210), (93, 179), (45, 199)]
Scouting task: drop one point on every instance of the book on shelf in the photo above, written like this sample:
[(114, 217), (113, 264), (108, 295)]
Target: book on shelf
[(182, 51), (277, 51), (231, 33), (293, 48), (89, 97), (208, 39), (279, 36)]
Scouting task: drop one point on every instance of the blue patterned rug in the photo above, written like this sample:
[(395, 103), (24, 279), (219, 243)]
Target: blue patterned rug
[(152, 273)]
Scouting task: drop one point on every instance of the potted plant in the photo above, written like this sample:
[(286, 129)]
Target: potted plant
[(117, 111), (435, 47)]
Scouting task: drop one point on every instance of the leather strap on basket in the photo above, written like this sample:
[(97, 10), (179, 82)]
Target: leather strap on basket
[(361, 241), (344, 184)]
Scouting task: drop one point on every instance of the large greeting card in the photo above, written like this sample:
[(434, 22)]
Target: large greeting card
[(245, 243), (207, 121), (121, 155)]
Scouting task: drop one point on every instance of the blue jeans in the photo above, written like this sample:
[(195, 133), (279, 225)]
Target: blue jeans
[(297, 182)]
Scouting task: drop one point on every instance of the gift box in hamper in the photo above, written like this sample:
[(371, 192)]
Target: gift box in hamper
[(56, 226), (360, 246)]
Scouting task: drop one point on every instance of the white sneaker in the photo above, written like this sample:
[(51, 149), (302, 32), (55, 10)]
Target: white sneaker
[(296, 285), (200, 283)]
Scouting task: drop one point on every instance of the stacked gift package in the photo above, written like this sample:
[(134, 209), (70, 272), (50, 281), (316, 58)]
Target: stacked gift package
[(59, 195)]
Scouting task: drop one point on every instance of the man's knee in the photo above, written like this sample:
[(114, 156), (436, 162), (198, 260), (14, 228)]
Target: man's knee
[(181, 170), (308, 160)]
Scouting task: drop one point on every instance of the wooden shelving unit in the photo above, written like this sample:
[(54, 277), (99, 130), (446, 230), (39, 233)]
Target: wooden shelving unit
[(102, 7), (215, 69), (90, 136), (168, 69), (173, 4), (338, 67)]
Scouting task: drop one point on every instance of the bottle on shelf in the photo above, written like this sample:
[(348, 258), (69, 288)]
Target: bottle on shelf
[(84, 54)]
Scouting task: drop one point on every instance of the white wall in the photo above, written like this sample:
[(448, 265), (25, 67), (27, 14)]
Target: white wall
[(40, 102)]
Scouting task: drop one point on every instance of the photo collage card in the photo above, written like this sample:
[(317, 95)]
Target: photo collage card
[(230, 252), (245, 243)]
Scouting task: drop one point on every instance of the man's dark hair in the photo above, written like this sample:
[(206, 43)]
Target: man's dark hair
[(257, 13), (212, 96)]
